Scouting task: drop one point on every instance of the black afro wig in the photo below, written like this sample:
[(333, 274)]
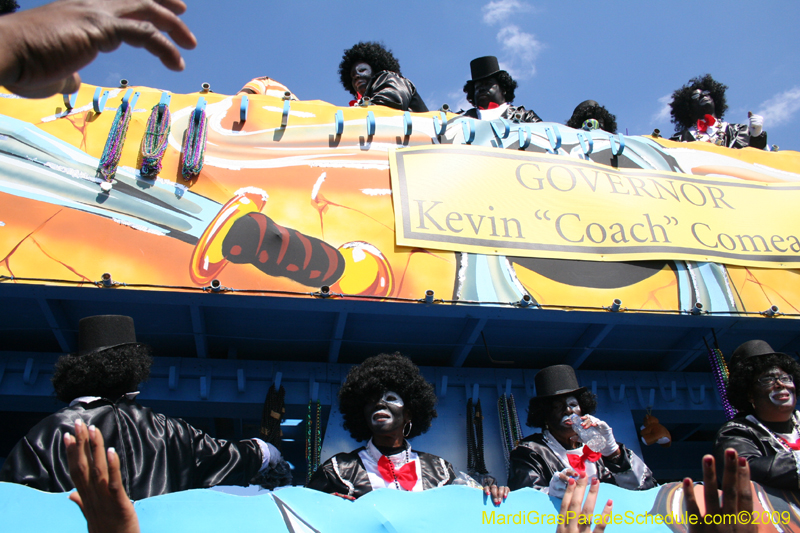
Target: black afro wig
[(504, 80), (608, 122), (743, 377), (372, 53), (377, 375), (681, 105), (108, 374), (538, 407), (8, 6)]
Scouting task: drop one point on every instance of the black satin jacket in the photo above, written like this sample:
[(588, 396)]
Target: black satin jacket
[(158, 454), (516, 114), (345, 473), (393, 90), (735, 136), (770, 463), (533, 464)]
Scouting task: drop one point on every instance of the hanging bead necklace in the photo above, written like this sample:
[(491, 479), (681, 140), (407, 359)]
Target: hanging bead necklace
[(155, 139), (116, 139)]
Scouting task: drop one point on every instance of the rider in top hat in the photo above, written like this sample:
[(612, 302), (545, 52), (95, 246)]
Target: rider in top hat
[(547, 460), (766, 432), (491, 91), (589, 115), (158, 454)]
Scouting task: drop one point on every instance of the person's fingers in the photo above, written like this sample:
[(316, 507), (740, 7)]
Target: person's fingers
[(730, 486), (577, 498), (115, 487), (143, 34), (710, 494), (601, 525), (99, 470), (67, 85), (163, 15), (73, 461), (76, 497), (745, 488), (567, 498), (506, 492), (497, 496), (689, 498), (591, 499)]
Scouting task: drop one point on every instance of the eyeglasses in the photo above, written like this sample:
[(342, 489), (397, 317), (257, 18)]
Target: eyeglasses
[(769, 381), (697, 96)]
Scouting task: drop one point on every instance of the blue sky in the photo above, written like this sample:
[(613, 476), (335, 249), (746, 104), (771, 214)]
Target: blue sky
[(628, 55)]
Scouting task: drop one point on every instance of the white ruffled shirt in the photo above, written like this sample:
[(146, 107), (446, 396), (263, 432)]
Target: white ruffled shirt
[(370, 456)]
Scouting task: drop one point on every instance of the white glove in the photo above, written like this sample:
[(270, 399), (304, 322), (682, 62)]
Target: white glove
[(756, 124), (605, 430), (557, 485), (270, 455)]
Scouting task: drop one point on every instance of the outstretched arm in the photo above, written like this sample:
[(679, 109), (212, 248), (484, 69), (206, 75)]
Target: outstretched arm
[(42, 49)]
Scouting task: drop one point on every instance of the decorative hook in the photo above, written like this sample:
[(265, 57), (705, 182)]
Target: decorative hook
[(166, 98), (313, 389), (99, 100), (652, 401), (370, 123), (621, 393), (129, 99), (243, 103), (338, 119), (501, 129), (439, 124), (285, 115), (621, 143), (201, 106), (69, 100), (173, 378), (669, 397), (468, 127), (524, 133), (277, 380), (407, 124), (443, 387), (702, 395), (585, 140), (554, 136)]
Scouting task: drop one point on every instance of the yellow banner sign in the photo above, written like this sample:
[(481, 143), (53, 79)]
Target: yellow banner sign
[(493, 201)]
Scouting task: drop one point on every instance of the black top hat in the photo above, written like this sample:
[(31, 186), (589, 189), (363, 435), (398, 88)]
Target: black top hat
[(483, 67), (98, 333), (753, 348), (556, 380)]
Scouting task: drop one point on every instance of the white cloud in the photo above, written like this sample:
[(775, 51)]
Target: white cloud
[(500, 10), (780, 108), (523, 48), (663, 112)]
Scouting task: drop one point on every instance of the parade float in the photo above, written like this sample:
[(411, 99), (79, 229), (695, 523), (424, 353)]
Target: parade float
[(260, 241)]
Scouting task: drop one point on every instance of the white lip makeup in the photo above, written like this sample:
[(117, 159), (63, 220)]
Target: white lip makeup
[(782, 397)]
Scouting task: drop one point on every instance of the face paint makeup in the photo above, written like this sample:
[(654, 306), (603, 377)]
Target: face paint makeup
[(385, 415)]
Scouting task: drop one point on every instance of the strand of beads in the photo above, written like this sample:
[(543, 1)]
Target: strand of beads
[(720, 371), (116, 139), (514, 416), (470, 436), (155, 140), (505, 428), (309, 445), (194, 145), (480, 460), (315, 455)]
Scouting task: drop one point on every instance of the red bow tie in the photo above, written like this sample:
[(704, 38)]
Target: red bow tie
[(406, 475), (703, 125), (578, 462), (792, 445), (492, 105)]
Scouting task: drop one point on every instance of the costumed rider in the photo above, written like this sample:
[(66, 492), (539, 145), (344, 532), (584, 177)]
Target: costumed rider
[(491, 91), (697, 109), (384, 401), (546, 460), (766, 431), (589, 115), (371, 74), (158, 454)]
